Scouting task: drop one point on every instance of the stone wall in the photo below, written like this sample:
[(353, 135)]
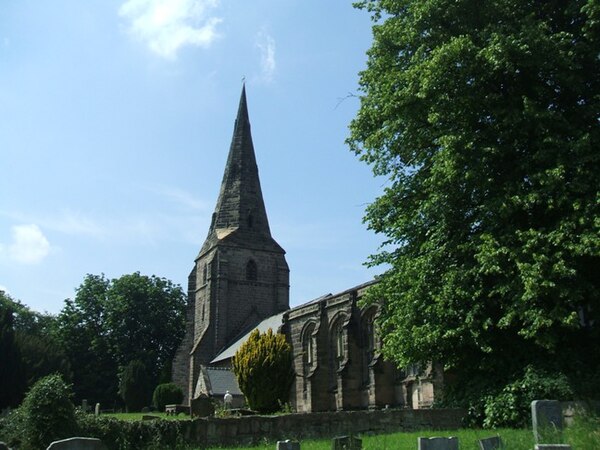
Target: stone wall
[(255, 429)]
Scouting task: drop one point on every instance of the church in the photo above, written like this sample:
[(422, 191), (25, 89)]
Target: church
[(240, 282)]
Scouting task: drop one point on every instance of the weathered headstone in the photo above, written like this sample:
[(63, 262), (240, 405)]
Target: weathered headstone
[(78, 443), (149, 417), (438, 443), (202, 406), (547, 421), (84, 405), (97, 409), (552, 447), (346, 443), (288, 445), (491, 443), (3, 446)]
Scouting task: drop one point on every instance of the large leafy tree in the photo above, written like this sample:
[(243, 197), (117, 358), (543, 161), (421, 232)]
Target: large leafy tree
[(484, 117), (30, 349), (84, 335), (113, 322)]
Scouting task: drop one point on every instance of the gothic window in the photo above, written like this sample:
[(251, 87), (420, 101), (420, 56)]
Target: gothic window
[(308, 348), (251, 271), (337, 351), (250, 220), (204, 274)]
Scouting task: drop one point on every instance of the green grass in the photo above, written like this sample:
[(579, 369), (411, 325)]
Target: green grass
[(584, 435)]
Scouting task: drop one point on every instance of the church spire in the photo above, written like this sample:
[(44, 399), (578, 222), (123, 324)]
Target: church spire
[(240, 205)]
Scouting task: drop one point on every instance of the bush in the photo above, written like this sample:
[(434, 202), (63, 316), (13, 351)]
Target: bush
[(166, 394), (133, 435), (511, 407), (134, 387), (47, 413), (263, 367)]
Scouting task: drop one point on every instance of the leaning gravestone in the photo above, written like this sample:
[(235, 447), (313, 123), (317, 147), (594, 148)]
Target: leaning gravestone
[(438, 443), (492, 443), (552, 447), (288, 445), (346, 443), (78, 443), (547, 420)]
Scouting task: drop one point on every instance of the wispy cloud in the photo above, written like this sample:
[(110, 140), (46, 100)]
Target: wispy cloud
[(266, 45), (180, 197), (28, 244), (167, 25)]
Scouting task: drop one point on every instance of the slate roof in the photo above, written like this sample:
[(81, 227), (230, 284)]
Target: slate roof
[(273, 322), (222, 380)]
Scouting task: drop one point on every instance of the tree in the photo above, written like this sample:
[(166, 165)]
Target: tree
[(113, 322), (11, 379), (263, 368), (145, 319), (134, 386), (30, 346), (484, 118), (48, 413), (83, 335), (166, 394)]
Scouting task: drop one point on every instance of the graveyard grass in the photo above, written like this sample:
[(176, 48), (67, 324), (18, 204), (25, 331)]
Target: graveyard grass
[(583, 435)]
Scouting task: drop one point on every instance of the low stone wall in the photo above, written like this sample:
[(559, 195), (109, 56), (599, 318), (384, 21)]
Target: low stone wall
[(254, 429)]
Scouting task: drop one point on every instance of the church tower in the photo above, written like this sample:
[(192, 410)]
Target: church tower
[(240, 275)]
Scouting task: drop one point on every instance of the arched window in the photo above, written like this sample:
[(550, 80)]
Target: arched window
[(308, 348), (251, 271), (204, 274), (250, 220), (337, 351)]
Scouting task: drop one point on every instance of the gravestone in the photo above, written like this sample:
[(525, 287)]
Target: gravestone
[(78, 443), (492, 443), (97, 409), (202, 406), (288, 445), (552, 447), (3, 446), (84, 405), (346, 443), (438, 443), (547, 421)]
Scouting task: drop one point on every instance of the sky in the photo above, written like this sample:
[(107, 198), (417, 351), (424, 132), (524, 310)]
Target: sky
[(116, 118)]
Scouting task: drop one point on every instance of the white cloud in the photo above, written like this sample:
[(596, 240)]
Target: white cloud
[(180, 196), (167, 25), (29, 245), (266, 45)]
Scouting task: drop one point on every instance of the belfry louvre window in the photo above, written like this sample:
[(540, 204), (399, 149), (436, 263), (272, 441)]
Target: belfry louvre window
[(251, 271)]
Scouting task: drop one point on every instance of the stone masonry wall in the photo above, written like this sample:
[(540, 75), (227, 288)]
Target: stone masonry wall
[(255, 429)]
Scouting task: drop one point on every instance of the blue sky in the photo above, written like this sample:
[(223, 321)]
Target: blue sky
[(115, 123)]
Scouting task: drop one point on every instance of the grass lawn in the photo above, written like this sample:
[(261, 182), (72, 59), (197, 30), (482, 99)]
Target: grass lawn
[(584, 435)]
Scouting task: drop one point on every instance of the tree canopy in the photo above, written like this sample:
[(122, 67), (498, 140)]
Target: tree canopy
[(484, 118), (111, 323)]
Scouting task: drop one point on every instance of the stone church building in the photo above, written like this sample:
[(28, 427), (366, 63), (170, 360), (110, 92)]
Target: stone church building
[(240, 282)]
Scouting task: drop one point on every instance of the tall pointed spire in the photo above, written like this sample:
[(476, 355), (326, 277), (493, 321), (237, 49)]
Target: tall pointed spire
[(240, 206)]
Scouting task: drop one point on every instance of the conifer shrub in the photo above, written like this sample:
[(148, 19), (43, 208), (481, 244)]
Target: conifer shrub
[(166, 394), (263, 367), (47, 413), (134, 386)]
